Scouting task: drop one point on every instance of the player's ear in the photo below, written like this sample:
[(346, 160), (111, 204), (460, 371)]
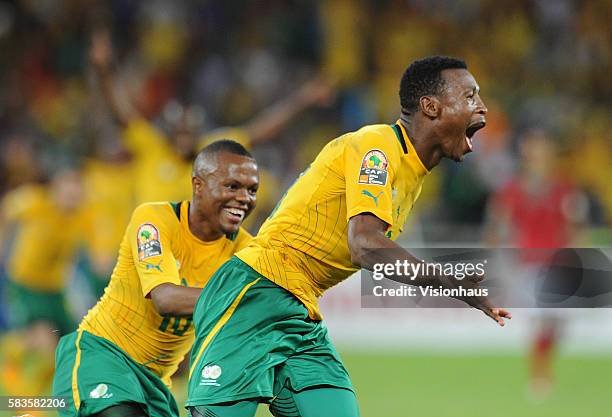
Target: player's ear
[(196, 184), (430, 106)]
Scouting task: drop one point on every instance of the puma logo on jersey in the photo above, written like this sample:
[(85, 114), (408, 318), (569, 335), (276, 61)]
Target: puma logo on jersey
[(369, 194), (153, 266)]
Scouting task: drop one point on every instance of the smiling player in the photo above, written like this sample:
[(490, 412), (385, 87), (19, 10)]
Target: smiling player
[(128, 346), (259, 336)]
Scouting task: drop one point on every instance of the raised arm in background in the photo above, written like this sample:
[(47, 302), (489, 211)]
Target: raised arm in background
[(317, 91), (101, 56)]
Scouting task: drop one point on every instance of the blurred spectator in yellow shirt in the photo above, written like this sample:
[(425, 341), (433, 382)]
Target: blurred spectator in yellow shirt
[(162, 160), (47, 225)]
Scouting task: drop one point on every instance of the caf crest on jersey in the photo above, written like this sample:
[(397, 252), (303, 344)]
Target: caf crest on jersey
[(374, 167), (148, 241)]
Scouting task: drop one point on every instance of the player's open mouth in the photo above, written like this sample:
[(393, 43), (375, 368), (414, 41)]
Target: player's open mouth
[(471, 130), (234, 214)]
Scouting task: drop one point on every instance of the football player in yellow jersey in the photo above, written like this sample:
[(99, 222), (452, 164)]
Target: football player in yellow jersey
[(45, 222), (259, 336), (48, 224), (120, 360), (162, 162)]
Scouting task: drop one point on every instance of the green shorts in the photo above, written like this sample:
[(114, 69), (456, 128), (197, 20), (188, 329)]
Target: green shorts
[(27, 306), (253, 338), (94, 374)]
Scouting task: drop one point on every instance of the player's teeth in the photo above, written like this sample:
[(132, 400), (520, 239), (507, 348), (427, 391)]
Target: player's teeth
[(469, 142), (236, 212)]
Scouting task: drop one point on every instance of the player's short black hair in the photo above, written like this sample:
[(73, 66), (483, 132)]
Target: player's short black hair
[(423, 78), (222, 145), (226, 145)]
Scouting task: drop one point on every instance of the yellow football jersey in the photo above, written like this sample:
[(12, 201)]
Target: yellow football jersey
[(157, 248), (46, 238), (160, 173), (303, 246)]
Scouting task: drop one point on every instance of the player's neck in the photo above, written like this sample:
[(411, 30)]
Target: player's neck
[(424, 145), (200, 227)]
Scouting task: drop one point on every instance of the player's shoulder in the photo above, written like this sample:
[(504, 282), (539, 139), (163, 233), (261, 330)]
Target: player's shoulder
[(163, 212), (380, 129), (378, 140), (379, 135)]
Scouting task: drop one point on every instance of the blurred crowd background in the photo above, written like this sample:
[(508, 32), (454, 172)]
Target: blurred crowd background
[(286, 77)]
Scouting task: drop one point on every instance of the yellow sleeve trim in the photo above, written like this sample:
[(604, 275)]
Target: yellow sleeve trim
[(226, 316), (75, 387), (161, 280), (385, 217)]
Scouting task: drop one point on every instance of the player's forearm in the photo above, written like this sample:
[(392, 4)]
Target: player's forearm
[(316, 91), (369, 245), (271, 121), (373, 249), (175, 300)]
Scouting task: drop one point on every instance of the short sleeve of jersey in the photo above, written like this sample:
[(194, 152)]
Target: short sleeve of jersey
[(237, 134), (150, 235), (370, 163), (140, 135)]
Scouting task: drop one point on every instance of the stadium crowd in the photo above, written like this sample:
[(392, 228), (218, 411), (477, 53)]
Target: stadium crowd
[(70, 175)]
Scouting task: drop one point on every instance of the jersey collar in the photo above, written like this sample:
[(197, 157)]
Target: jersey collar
[(407, 147)]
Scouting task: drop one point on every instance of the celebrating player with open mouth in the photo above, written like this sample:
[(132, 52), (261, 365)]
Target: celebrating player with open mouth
[(120, 360), (259, 336)]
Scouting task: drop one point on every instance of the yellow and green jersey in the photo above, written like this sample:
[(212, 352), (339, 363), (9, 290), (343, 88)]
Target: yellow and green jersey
[(303, 246), (46, 238), (157, 248), (160, 173)]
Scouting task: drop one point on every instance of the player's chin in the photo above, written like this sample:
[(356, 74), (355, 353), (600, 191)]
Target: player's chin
[(457, 153)]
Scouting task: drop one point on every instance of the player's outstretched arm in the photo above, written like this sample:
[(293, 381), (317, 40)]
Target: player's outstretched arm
[(101, 55), (366, 236), (175, 300), (266, 125)]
